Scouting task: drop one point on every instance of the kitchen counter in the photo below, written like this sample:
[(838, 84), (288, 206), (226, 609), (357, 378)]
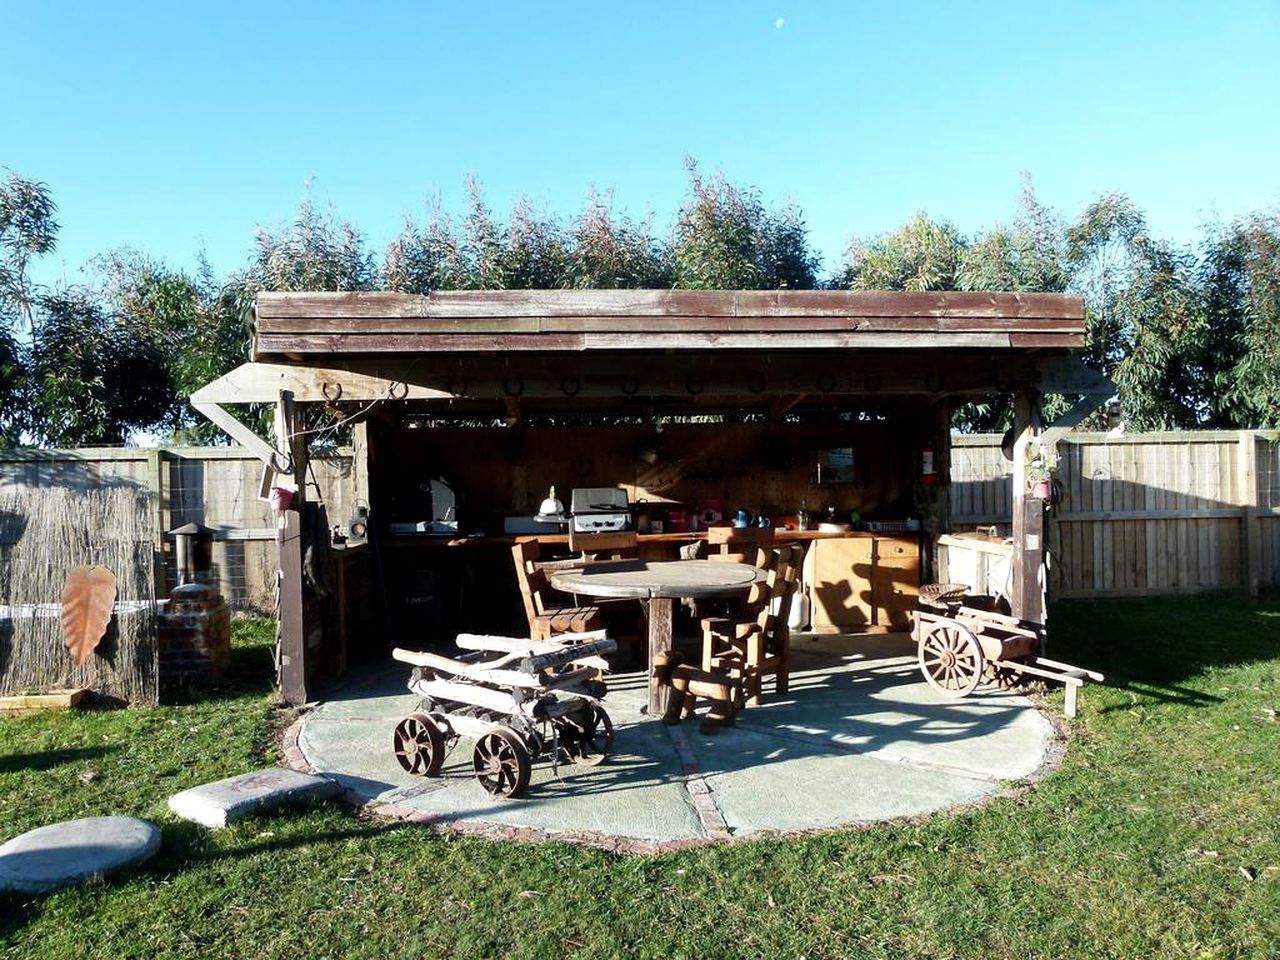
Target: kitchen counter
[(563, 538)]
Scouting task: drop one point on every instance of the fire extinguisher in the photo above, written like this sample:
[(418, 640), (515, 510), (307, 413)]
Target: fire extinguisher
[(928, 475)]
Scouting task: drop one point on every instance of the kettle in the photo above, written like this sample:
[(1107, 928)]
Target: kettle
[(551, 508), (742, 518)]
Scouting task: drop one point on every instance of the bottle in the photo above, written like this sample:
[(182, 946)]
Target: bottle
[(802, 517)]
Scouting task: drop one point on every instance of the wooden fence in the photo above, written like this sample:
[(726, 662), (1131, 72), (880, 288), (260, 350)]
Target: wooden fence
[(1140, 514), (1143, 514), (217, 486)]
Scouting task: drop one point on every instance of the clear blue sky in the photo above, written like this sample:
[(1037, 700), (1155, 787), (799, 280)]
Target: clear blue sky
[(168, 127)]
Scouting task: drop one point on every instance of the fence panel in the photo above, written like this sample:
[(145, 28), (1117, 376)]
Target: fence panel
[(1140, 514), (216, 486), (1143, 514)]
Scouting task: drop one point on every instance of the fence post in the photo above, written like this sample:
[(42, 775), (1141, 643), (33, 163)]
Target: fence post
[(159, 507), (1250, 532)]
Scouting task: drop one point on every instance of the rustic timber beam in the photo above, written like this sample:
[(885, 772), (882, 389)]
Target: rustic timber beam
[(243, 435), (577, 377), (1072, 419), (541, 304), (1065, 373), (355, 342), (263, 382)]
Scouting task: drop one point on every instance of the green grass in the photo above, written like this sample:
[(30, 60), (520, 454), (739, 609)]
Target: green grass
[(1143, 844)]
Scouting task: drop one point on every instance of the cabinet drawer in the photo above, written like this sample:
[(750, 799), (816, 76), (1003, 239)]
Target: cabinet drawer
[(893, 549)]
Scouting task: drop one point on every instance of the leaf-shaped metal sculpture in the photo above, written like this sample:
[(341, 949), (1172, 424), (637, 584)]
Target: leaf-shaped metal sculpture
[(87, 602)]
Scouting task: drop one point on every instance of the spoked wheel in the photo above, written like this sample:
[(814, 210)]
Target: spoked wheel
[(1006, 678), (418, 745), (951, 660), (501, 761), (588, 736)]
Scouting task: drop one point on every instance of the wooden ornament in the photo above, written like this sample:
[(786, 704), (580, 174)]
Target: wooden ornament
[(87, 602)]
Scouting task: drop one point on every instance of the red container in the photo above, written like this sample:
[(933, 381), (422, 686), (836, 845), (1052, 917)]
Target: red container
[(678, 521)]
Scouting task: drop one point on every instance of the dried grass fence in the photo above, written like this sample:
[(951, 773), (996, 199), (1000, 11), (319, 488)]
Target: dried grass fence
[(41, 538)]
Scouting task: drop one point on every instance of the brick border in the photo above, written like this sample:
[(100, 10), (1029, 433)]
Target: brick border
[(701, 797)]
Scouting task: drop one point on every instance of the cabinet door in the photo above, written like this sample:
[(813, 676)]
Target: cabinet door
[(895, 582), (838, 574)]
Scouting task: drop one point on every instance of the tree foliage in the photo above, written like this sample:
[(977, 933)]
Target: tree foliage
[(1190, 336), (924, 254), (725, 239)]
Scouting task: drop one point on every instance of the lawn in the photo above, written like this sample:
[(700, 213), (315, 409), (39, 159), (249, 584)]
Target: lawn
[(1159, 836)]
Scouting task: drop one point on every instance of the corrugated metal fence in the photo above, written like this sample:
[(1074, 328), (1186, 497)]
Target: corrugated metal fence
[(1146, 513), (1140, 514)]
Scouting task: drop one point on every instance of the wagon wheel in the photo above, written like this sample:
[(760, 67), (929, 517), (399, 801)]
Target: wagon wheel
[(951, 659), (501, 761), (418, 745), (587, 738), (1006, 678)]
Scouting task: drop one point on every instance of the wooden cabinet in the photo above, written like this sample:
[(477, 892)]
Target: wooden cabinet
[(862, 583)]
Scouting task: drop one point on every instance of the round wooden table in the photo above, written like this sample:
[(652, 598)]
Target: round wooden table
[(656, 583)]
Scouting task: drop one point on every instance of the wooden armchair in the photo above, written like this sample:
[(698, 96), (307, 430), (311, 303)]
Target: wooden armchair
[(610, 545), (758, 642), (740, 544), (734, 545), (545, 618), (622, 617)]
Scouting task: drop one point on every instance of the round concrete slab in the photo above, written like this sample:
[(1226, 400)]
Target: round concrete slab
[(859, 738), (68, 853)]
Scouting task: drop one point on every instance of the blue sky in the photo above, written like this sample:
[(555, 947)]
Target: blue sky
[(170, 127)]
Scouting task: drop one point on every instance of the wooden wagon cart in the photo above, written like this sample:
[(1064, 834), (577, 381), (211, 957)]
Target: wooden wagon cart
[(959, 647), (519, 699)]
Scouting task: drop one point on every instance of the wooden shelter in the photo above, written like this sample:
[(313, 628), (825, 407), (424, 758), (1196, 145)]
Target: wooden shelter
[(675, 396)]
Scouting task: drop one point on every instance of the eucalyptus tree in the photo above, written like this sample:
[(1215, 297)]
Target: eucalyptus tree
[(1145, 328), (923, 254), (726, 239), (27, 230), (610, 252), (1241, 285)]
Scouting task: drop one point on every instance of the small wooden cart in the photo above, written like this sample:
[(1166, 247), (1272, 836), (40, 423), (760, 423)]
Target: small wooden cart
[(519, 699), (961, 647)]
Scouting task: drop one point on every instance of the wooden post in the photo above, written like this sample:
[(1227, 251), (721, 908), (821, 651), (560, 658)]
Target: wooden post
[(291, 630), (1250, 530), (359, 463), (1028, 514), (659, 613), (941, 491), (159, 515)]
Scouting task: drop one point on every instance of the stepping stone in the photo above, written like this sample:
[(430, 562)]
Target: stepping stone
[(68, 853), (225, 801)]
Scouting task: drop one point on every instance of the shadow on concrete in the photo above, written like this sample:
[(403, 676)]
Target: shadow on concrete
[(849, 697)]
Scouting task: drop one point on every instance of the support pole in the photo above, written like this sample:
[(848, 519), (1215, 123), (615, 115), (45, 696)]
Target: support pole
[(291, 634), (1028, 514), (1250, 530), (940, 520)]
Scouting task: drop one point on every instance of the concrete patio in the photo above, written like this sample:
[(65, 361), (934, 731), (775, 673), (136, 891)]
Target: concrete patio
[(859, 738)]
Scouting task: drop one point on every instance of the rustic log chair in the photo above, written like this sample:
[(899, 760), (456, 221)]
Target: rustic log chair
[(609, 545), (545, 619), (758, 643), (624, 617), (748, 545), (740, 544)]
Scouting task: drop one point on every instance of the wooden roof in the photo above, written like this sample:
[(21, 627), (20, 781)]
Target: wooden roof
[(299, 325)]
